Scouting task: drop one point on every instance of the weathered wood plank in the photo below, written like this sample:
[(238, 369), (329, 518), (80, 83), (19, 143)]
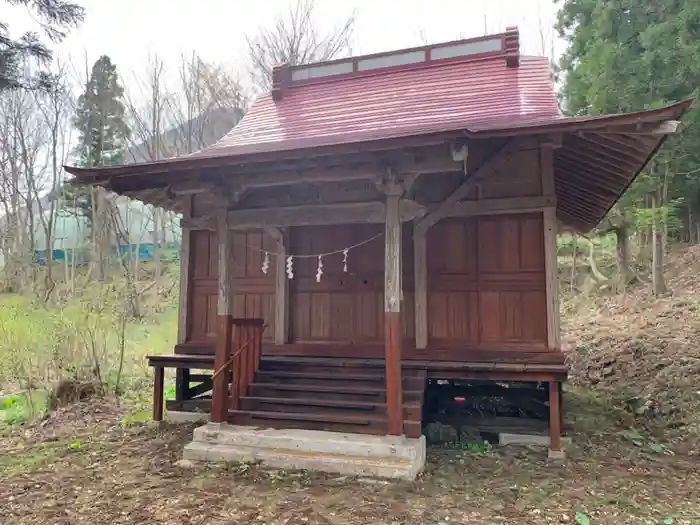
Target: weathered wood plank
[(349, 213), (219, 411), (420, 270), (552, 280), (511, 205), (310, 215), (281, 288), (392, 313), (183, 306)]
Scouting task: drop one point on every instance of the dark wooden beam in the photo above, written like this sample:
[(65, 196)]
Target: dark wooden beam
[(405, 164), (316, 214)]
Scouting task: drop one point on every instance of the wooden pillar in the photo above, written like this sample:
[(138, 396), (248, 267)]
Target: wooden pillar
[(392, 314), (183, 305), (420, 270), (182, 374), (550, 243), (552, 279), (281, 287), (224, 323)]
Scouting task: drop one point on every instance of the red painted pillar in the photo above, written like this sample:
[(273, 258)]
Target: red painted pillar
[(392, 314), (219, 392), (224, 324)]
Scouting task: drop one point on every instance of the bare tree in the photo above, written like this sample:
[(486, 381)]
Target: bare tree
[(170, 120), (24, 167), (295, 39), (55, 105)]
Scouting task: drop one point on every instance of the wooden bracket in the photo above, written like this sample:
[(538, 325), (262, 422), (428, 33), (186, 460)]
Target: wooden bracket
[(231, 193), (491, 164)]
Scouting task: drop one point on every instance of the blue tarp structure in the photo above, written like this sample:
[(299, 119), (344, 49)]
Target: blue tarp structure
[(144, 252)]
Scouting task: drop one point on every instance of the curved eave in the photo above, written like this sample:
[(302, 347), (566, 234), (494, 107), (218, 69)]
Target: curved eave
[(598, 159)]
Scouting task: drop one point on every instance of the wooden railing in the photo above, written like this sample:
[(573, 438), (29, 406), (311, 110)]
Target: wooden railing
[(240, 361), (247, 342)]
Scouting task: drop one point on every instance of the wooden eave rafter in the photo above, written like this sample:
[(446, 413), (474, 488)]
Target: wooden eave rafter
[(434, 160)]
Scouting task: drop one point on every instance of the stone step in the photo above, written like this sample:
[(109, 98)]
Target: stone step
[(310, 441), (333, 463)]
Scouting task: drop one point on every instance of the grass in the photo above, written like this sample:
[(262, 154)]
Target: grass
[(42, 343), (17, 409)]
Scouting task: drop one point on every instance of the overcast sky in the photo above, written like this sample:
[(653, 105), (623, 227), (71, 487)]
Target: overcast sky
[(128, 30)]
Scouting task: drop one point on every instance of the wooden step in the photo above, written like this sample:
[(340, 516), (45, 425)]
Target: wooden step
[(412, 411), (336, 378), (322, 420), (319, 415), (332, 366), (322, 375), (318, 378), (338, 391)]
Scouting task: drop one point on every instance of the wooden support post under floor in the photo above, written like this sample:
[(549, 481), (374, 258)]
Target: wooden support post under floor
[(555, 419), (392, 314), (224, 325), (158, 381)]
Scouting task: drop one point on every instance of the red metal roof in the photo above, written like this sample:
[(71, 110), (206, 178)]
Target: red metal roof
[(465, 94), (483, 88)]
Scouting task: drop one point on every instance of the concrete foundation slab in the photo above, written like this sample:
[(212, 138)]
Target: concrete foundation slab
[(556, 456), (505, 438), (176, 416), (393, 457)]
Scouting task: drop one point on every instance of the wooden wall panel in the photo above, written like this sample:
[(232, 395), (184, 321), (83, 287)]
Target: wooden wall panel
[(343, 307), (254, 292), (518, 177), (486, 282)]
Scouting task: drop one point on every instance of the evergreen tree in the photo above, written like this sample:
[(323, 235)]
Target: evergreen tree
[(102, 129), (632, 55), (55, 17)]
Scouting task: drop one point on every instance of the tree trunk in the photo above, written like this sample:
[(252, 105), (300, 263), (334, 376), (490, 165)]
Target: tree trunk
[(597, 276), (657, 266), (623, 255), (664, 204), (574, 242)]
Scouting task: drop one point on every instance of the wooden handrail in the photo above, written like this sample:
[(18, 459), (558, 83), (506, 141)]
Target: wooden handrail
[(246, 336), (230, 360), (245, 361)]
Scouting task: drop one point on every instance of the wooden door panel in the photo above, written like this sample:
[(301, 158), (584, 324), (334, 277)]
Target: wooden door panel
[(253, 291), (344, 307), (486, 281)]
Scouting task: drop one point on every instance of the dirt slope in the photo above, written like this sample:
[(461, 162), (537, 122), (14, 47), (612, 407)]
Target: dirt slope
[(644, 350)]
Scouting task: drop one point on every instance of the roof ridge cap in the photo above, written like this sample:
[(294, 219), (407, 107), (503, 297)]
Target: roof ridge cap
[(504, 45)]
